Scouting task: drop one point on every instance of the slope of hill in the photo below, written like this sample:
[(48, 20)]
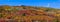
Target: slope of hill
[(29, 14)]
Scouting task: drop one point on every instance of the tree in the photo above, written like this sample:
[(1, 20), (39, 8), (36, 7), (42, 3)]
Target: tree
[(1, 9), (57, 19), (24, 14), (1, 15), (23, 6)]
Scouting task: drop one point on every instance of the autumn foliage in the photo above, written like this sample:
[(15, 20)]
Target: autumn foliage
[(28, 13)]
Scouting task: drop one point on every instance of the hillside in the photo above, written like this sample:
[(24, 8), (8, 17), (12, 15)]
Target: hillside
[(29, 14)]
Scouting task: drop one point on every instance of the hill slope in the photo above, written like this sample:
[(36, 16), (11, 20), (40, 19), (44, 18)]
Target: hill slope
[(29, 13)]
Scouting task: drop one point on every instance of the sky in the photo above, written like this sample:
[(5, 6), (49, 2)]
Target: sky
[(45, 3)]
